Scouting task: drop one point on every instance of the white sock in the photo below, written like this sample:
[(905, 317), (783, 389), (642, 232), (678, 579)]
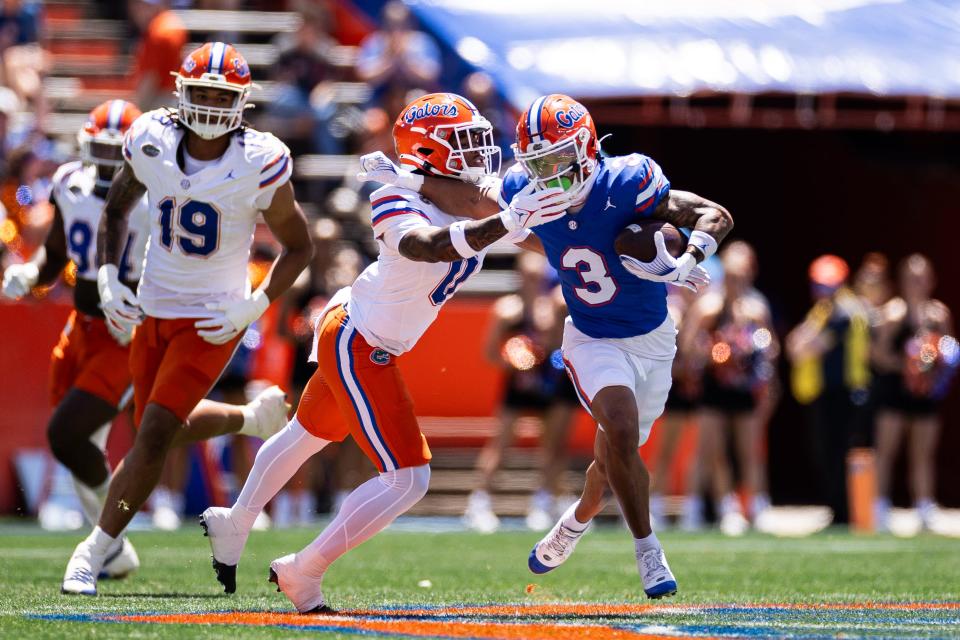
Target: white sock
[(276, 462), (369, 509), (646, 544), (92, 499), (569, 518), (100, 541)]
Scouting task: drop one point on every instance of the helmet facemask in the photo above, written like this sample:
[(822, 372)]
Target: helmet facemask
[(468, 138), (104, 150), (209, 122), (566, 164)]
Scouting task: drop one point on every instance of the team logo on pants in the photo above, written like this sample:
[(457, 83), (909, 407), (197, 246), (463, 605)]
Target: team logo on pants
[(379, 356)]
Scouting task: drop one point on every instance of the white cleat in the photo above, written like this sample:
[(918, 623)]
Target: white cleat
[(479, 515), (554, 549), (539, 516), (262, 523), (303, 592), (80, 578), (121, 562), (165, 518), (226, 543), (270, 409), (658, 580), (733, 524)]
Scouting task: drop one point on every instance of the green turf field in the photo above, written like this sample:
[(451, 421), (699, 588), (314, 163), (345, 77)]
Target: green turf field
[(902, 588)]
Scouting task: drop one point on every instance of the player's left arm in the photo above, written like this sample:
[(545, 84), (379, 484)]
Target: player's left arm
[(709, 221), (288, 224)]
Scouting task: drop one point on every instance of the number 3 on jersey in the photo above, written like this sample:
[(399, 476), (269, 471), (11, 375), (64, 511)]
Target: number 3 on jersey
[(195, 226), (598, 287)]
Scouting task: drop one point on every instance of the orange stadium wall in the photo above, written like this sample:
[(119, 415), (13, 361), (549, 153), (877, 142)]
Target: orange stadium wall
[(447, 375)]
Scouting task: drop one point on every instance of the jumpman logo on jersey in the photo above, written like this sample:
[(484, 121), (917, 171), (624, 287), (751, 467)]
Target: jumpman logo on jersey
[(230, 176), (609, 205)]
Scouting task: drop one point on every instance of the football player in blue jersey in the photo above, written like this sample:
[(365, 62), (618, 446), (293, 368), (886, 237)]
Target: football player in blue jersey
[(619, 341)]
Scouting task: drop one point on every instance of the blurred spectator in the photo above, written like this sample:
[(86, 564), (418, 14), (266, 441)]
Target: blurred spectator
[(915, 355), (872, 283), (19, 23), (732, 331), (830, 353), (302, 66), (24, 62), (679, 411), (478, 88), (524, 341), (23, 193), (9, 105), (163, 36), (398, 55)]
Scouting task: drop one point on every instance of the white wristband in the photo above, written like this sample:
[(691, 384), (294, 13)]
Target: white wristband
[(459, 239), (705, 242), (409, 180)]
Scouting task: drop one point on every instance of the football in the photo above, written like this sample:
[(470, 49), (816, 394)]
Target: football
[(637, 240)]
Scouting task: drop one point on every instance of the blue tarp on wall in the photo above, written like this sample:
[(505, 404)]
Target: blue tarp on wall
[(614, 48)]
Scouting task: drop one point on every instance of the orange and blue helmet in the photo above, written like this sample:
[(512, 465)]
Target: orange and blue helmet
[(215, 65), (444, 134), (557, 144), (101, 136)]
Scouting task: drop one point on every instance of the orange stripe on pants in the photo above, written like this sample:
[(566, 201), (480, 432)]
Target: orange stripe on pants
[(358, 390)]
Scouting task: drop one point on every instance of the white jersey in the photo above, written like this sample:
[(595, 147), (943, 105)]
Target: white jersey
[(201, 225), (81, 209), (395, 299)]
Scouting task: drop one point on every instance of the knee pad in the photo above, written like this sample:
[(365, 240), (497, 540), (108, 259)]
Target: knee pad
[(411, 481)]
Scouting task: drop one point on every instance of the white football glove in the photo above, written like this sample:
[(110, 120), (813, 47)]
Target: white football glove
[(683, 271), (377, 167), (122, 332), (531, 208), (18, 279), (120, 306), (231, 318)]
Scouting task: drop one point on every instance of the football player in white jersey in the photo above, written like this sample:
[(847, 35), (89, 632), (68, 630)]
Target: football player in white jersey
[(207, 178), (89, 371), (426, 254)]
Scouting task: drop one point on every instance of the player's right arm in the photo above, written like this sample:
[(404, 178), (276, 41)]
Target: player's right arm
[(124, 194), (119, 304)]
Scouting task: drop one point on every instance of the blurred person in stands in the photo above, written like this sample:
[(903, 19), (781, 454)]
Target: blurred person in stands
[(479, 88), (524, 340), (830, 354), (23, 60), (681, 406), (916, 356), (731, 326), (872, 284), (162, 36), (302, 66), (9, 105), (398, 54), (24, 192)]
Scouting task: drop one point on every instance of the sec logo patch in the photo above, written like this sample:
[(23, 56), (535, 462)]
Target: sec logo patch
[(379, 356)]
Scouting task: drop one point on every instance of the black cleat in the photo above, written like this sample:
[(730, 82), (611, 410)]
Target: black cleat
[(322, 610), (226, 575)]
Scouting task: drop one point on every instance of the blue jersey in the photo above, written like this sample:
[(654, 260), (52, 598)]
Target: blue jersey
[(604, 299)]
